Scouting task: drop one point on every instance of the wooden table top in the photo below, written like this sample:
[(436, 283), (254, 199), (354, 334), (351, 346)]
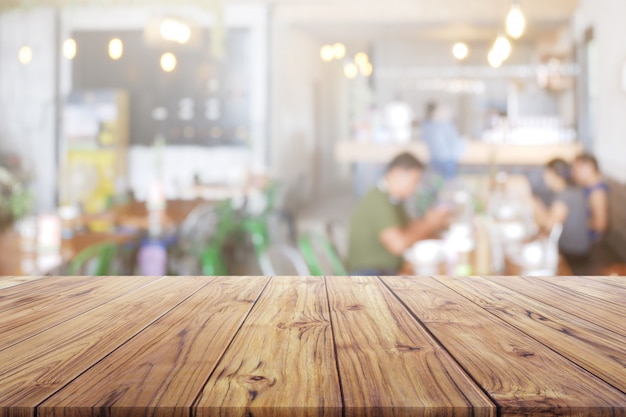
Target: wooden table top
[(300, 346)]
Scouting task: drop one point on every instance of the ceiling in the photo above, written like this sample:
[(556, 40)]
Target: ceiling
[(473, 20)]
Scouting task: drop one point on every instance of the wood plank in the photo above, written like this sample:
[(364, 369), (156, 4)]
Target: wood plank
[(605, 314), (602, 290), (282, 362), (162, 370), (613, 280), (8, 281), (36, 368), (523, 376), (601, 352), (32, 315), (389, 365), (36, 289)]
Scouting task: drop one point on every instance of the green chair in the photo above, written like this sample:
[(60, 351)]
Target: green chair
[(96, 260), (212, 261), (211, 258), (318, 250), (257, 226)]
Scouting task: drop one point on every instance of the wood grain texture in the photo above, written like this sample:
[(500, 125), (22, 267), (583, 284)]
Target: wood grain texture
[(389, 366), (296, 346), (523, 376), (8, 282), (282, 361), (590, 346), (36, 290), (602, 290), (618, 281), (33, 315), (161, 371), (603, 313), (36, 368)]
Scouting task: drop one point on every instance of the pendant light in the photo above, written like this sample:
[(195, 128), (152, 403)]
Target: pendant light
[(515, 21)]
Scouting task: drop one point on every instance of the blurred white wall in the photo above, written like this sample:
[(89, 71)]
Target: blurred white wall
[(306, 112), (606, 17), (219, 165), (27, 99)]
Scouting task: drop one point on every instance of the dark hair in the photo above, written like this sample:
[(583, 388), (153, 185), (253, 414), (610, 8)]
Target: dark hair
[(588, 159), (405, 161), (560, 168)]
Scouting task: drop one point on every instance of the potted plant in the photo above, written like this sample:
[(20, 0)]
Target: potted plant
[(16, 200)]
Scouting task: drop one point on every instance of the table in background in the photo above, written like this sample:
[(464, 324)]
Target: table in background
[(18, 261), (301, 346), (134, 215)]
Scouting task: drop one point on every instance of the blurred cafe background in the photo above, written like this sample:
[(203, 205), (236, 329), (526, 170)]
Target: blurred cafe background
[(237, 137)]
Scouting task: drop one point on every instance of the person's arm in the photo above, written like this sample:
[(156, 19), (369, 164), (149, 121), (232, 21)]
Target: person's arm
[(548, 218), (599, 205), (396, 240)]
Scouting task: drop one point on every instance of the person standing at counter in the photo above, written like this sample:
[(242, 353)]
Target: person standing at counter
[(445, 145), (380, 228)]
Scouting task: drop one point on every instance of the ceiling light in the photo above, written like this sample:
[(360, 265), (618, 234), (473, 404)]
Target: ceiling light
[(25, 55), (339, 50), (116, 49), (361, 59), (502, 47), (460, 51), (350, 70), (367, 69), (494, 59), (175, 31), (327, 53), (515, 21), (69, 48), (168, 62)]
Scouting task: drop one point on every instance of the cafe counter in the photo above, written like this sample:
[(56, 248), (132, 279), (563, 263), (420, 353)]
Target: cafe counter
[(476, 153)]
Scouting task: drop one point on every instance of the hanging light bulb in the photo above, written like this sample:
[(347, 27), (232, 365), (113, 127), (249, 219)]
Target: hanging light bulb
[(69, 48), (339, 50), (350, 70), (460, 51), (116, 49), (168, 62), (327, 53), (25, 55), (367, 69), (515, 21), (361, 59), (494, 59), (175, 31), (502, 47)]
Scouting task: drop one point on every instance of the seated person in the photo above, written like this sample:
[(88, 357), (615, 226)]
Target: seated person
[(568, 209), (380, 229), (587, 174)]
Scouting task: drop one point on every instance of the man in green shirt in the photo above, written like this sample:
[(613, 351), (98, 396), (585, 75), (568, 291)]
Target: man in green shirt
[(381, 230)]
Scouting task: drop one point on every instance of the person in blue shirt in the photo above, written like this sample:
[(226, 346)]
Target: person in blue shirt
[(445, 145), (586, 173)]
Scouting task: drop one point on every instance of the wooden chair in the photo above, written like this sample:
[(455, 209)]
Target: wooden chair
[(283, 260), (321, 256)]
